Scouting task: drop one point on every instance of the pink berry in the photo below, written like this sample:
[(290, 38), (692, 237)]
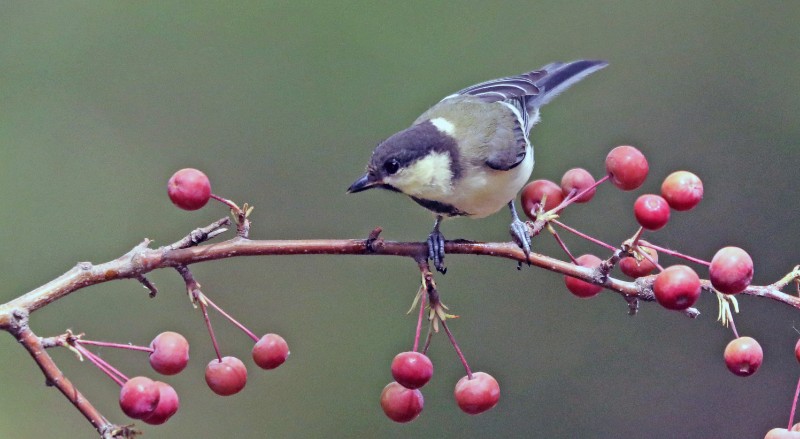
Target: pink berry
[(170, 353), (635, 268), (189, 189), (401, 404), (412, 370), (731, 270), (782, 433), (743, 356), (651, 211), (578, 179), (534, 192), (270, 351), (168, 404), (582, 288), (677, 287), (682, 190), (138, 397), (627, 167), (478, 394), (226, 377)]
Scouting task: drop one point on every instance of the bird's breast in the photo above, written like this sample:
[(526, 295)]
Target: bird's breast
[(482, 191)]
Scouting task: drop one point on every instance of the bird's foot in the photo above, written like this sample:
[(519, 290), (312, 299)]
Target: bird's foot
[(436, 250), (522, 236)]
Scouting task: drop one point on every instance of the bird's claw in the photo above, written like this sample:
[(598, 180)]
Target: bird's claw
[(436, 250), (521, 235)]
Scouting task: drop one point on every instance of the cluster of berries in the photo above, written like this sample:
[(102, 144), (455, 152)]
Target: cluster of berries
[(402, 400)]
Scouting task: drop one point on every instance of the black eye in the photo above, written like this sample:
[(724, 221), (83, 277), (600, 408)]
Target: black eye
[(391, 166)]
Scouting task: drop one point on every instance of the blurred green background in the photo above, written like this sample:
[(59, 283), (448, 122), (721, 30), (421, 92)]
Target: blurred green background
[(281, 104)]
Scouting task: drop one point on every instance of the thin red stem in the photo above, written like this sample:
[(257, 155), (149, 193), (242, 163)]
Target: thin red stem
[(652, 261), (636, 236), (675, 253), (103, 365), (227, 202), (583, 235), (423, 295), (458, 350), (107, 344), (564, 246), (208, 325), (733, 325), (570, 200), (794, 406), (428, 340), (231, 319)]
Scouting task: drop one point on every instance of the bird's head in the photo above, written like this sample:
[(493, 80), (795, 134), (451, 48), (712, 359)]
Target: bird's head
[(420, 160)]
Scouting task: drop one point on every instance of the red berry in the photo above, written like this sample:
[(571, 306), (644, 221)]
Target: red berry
[(412, 369), (534, 192), (743, 356), (226, 377), (401, 404), (635, 268), (731, 270), (627, 167), (677, 287), (270, 351), (582, 288), (168, 404), (651, 211), (170, 353), (797, 350), (578, 179), (189, 189), (682, 190), (478, 394), (138, 397)]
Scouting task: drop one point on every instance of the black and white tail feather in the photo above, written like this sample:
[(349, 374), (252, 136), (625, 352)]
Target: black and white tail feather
[(527, 92)]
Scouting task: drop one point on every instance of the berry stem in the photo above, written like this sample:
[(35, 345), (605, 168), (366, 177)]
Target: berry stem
[(423, 295), (203, 307), (562, 244), (733, 325), (574, 196), (231, 319), (676, 254), (583, 235), (106, 344), (227, 202), (636, 236), (794, 405), (652, 261), (458, 350), (103, 365), (428, 340)]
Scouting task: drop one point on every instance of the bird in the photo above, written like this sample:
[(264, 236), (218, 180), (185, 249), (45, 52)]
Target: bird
[(470, 154)]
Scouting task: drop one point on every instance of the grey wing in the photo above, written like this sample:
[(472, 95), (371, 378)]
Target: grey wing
[(520, 97), (512, 90), (509, 94), (507, 88), (529, 91), (509, 148)]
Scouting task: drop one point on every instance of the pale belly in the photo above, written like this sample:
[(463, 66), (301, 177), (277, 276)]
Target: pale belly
[(491, 190)]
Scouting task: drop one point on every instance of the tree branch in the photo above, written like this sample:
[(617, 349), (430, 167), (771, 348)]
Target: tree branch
[(141, 259)]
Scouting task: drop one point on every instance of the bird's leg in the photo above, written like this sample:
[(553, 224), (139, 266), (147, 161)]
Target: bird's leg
[(436, 246), (519, 231)]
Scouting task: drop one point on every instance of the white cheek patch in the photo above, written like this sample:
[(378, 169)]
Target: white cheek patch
[(444, 125), (429, 177)]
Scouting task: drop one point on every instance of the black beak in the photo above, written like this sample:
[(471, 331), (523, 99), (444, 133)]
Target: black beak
[(366, 181)]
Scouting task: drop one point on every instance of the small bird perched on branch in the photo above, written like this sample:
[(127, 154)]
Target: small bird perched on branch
[(469, 155)]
